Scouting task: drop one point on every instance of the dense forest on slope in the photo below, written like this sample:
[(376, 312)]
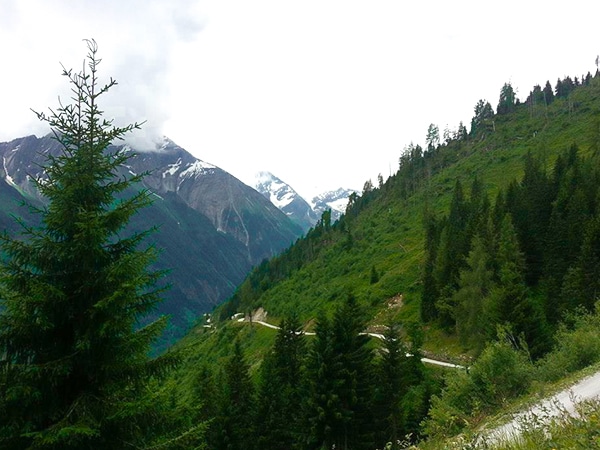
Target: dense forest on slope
[(478, 245)]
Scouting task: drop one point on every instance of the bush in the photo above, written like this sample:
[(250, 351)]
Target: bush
[(577, 346), (501, 373)]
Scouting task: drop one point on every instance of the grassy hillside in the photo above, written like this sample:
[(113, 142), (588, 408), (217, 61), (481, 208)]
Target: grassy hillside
[(383, 230)]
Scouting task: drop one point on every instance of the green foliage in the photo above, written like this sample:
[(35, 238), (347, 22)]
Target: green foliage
[(577, 346), (233, 428), (340, 394), (500, 374), (474, 287), (507, 101), (432, 141), (484, 116), (74, 369), (280, 389), (401, 393)]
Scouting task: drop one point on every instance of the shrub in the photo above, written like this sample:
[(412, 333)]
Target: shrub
[(577, 346), (501, 373)]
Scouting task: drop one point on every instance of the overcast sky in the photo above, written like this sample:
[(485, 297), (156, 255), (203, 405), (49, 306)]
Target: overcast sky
[(321, 93)]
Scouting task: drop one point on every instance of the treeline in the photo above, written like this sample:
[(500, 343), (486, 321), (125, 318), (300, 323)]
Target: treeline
[(523, 262), (333, 390)]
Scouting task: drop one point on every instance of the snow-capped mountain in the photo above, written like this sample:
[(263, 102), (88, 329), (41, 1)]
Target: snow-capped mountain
[(335, 200), (229, 204), (284, 197), (295, 206)]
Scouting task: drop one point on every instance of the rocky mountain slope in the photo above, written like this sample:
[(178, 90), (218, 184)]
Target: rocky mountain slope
[(212, 228)]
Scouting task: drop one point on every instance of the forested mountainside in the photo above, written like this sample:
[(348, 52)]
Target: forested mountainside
[(477, 250)]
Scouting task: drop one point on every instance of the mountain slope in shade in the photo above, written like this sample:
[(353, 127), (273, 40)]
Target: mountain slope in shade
[(212, 228), (284, 197)]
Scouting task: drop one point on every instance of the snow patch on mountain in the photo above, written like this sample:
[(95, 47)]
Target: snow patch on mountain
[(172, 169), (279, 193), (197, 168), (9, 179)]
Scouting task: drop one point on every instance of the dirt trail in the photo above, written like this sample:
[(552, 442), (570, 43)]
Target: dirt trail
[(375, 335), (586, 389)]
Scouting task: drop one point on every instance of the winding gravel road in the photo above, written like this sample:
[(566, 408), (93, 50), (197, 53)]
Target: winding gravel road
[(375, 335), (586, 389)]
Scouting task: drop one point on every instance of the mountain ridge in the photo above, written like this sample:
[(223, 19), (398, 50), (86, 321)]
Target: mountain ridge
[(212, 227)]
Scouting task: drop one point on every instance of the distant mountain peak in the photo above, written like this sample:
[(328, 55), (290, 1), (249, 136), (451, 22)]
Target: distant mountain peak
[(284, 197), (297, 208), (336, 200)]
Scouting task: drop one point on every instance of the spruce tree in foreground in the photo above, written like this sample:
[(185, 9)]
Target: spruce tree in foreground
[(74, 363)]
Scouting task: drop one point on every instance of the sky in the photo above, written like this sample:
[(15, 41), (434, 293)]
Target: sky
[(323, 94)]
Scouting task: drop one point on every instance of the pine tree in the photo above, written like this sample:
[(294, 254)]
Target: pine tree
[(73, 354), (531, 208), (506, 104), (430, 290), (581, 286), (234, 424), (280, 389), (432, 140), (509, 301), (572, 209), (321, 402), (352, 365), (393, 384), (339, 395), (484, 114), (451, 253), (548, 93), (474, 286)]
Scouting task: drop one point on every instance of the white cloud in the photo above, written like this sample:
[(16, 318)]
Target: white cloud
[(321, 93)]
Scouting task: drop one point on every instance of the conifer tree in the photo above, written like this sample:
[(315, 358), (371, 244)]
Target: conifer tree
[(581, 286), (234, 424), (339, 400), (392, 387), (451, 252), (321, 402), (73, 354), (506, 104), (531, 207), (352, 428), (280, 389), (484, 113), (509, 301), (430, 291), (548, 93), (474, 286)]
